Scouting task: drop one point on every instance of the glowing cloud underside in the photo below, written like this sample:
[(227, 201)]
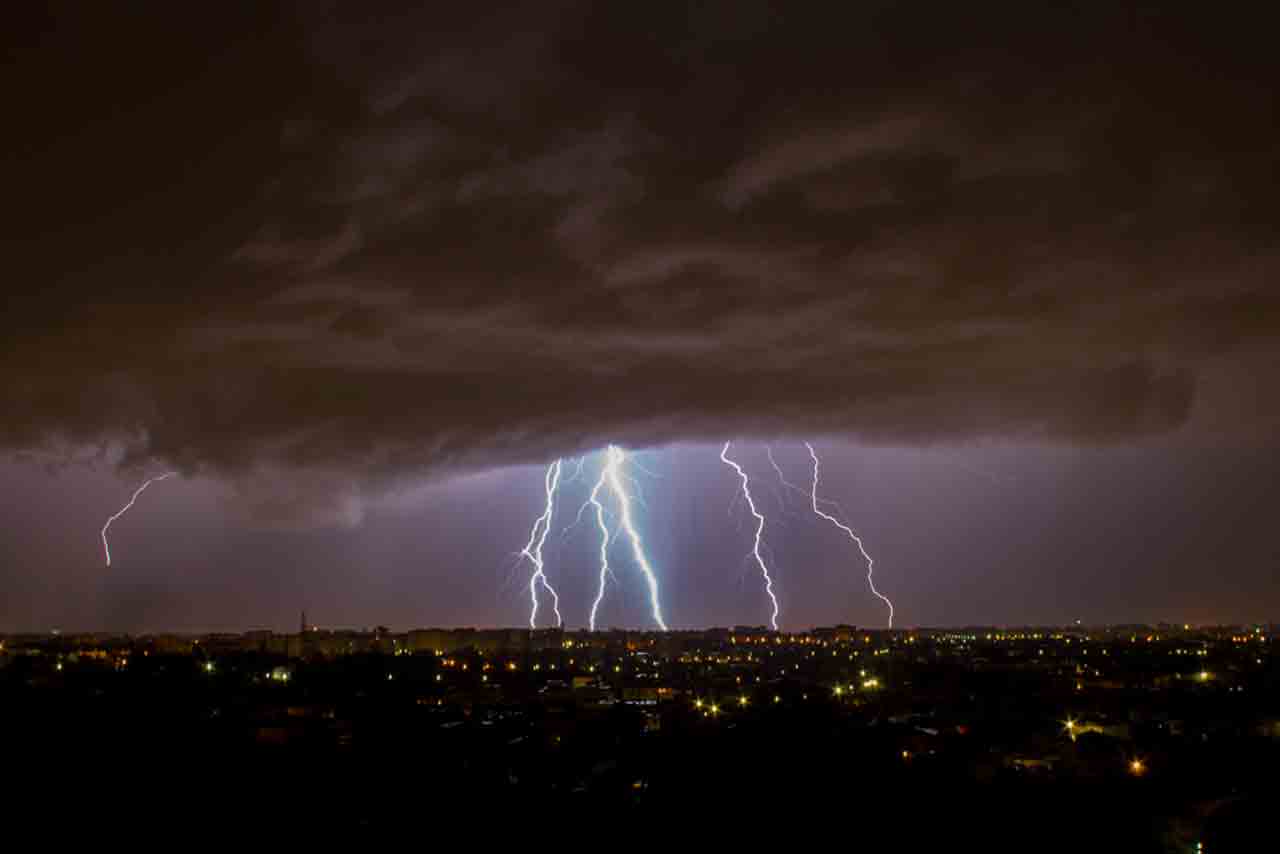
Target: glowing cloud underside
[(614, 458), (858, 540), (755, 547), (106, 547), (533, 549)]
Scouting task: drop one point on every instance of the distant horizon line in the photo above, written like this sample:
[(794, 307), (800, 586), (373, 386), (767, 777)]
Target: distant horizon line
[(763, 629)]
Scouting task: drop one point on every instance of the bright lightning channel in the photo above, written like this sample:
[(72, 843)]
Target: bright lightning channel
[(614, 458), (533, 549), (106, 547), (858, 540), (605, 572), (755, 548)]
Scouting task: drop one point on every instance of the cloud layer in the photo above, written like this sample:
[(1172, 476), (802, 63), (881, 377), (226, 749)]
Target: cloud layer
[(363, 247)]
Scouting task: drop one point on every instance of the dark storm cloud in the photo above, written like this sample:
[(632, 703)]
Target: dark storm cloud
[(365, 244)]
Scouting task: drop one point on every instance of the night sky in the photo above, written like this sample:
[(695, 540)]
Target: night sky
[(358, 275)]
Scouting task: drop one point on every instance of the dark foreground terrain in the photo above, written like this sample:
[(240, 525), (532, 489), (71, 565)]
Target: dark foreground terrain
[(1034, 740)]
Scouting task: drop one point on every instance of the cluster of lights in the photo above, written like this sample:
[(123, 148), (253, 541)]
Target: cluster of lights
[(714, 708)]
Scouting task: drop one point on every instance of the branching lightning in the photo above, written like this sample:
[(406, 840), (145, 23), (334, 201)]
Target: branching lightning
[(614, 458), (577, 472), (106, 547), (605, 572), (782, 478), (858, 540), (620, 483), (755, 548), (533, 549)]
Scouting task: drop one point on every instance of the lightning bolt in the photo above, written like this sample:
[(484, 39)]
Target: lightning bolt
[(614, 458), (782, 478), (755, 548), (533, 549), (605, 572), (858, 540), (577, 472), (106, 547)]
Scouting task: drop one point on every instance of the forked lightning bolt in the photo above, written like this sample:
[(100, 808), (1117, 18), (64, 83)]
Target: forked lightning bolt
[(858, 540), (577, 472), (614, 458), (605, 572), (106, 547), (533, 549), (782, 478), (755, 548)]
